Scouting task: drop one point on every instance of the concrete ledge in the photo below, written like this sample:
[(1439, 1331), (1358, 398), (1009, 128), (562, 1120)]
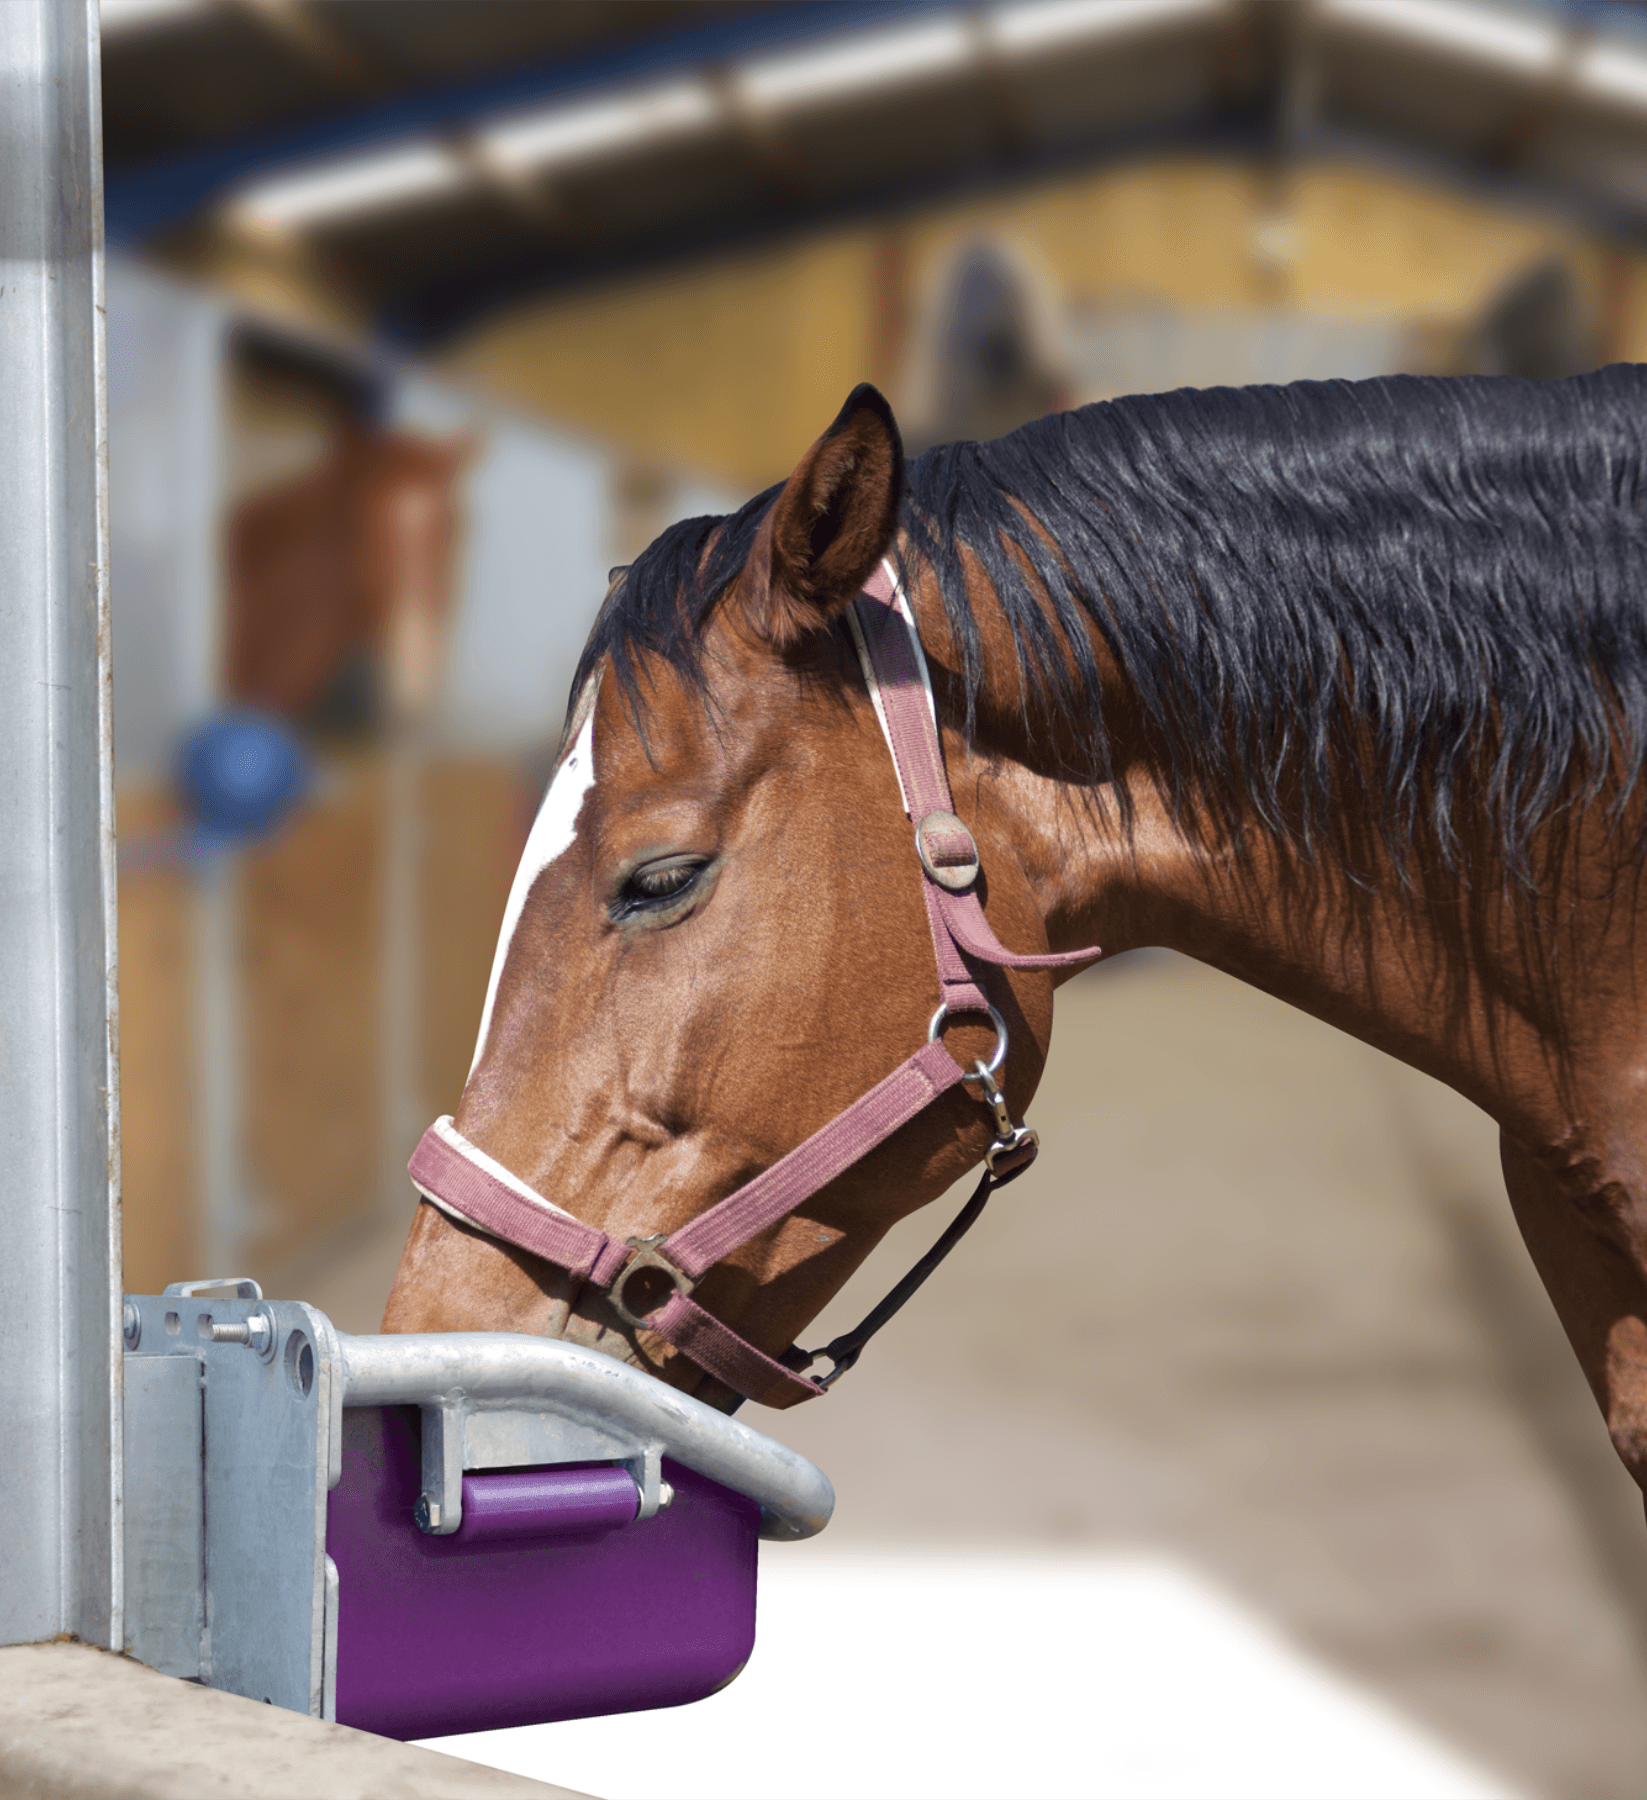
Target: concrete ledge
[(80, 1724)]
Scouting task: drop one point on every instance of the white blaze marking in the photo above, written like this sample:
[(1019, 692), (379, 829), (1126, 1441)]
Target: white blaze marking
[(552, 833)]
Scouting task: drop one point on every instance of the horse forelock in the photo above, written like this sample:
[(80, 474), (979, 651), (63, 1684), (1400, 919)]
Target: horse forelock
[(659, 605), (1411, 601)]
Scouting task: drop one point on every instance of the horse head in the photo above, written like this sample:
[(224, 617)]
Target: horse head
[(718, 940)]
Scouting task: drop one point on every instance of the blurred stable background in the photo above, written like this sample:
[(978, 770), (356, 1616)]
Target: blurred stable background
[(422, 315)]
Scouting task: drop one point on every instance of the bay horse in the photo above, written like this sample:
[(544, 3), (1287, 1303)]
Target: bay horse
[(354, 558), (1338, 687)]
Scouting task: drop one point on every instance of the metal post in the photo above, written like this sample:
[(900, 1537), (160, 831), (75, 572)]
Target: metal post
[(60, 1411)]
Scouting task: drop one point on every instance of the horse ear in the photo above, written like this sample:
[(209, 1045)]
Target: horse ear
[(833, 522)]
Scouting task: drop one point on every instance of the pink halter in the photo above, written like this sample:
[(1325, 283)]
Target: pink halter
[(462, 1180)]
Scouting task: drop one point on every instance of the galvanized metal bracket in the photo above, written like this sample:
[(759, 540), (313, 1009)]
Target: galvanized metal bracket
[(647, 1469), (440, 1506), (245, 1288), (231, 1440)]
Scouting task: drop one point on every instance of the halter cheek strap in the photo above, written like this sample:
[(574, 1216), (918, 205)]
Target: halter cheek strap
[(462, 1180)]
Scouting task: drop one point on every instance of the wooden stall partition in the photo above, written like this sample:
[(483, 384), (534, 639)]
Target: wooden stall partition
[(474, 814), (310, 908)]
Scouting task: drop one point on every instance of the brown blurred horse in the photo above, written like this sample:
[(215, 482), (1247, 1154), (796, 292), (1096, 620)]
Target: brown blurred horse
[(354, 558), (1339, 688)]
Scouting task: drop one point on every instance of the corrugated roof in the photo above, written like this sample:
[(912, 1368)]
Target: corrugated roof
[(448, 156)]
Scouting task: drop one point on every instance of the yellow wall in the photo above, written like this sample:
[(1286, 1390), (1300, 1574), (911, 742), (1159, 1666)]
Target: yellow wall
[(723, 368), (733, 366)]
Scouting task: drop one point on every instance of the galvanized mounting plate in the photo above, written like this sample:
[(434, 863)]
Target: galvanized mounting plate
[(229, 1455)]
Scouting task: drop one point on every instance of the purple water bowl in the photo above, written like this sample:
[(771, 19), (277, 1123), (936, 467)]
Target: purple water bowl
[(569, 1588)]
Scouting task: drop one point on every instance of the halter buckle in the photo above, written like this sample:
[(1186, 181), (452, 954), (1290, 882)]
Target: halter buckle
[(948, 851), (647, 1254)]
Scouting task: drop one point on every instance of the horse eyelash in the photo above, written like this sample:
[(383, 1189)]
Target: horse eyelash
[(633, 897), (642, 878)]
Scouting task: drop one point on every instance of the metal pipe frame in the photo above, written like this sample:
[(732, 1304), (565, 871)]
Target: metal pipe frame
[(60, 1289), (506, 1369)]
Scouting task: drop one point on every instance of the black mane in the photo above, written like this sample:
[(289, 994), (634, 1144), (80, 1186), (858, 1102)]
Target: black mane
[(1433, 588)]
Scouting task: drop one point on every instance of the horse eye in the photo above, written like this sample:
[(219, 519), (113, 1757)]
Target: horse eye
[(656, 885)]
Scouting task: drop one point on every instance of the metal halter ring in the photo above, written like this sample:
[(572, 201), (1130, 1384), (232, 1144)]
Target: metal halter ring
[(993, 1066), (647, 1256)]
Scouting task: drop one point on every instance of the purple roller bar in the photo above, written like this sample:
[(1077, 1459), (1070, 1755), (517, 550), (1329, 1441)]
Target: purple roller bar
[(543, 1503), (486, 1627)]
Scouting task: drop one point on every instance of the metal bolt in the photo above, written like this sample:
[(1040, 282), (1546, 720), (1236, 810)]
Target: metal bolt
[(427, 1513), (665, 1495), (131, 1322), (257, 1333)]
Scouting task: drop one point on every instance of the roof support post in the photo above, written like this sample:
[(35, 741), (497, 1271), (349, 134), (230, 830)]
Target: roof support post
[(60, 1293)]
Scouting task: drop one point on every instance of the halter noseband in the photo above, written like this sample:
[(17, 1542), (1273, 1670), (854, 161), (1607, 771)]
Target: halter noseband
[(462, 1180)]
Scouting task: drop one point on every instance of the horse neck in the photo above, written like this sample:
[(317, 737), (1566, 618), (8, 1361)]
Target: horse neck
[(1528, 1007)]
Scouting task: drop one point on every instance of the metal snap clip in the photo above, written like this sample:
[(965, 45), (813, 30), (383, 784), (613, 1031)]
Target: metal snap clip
[(1015, 1146)]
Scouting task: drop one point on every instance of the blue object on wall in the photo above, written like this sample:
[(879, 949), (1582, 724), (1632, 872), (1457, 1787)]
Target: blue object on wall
[(241, 774)]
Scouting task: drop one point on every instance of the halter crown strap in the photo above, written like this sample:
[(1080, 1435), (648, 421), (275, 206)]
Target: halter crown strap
[(890, 651), (462, 1180)]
